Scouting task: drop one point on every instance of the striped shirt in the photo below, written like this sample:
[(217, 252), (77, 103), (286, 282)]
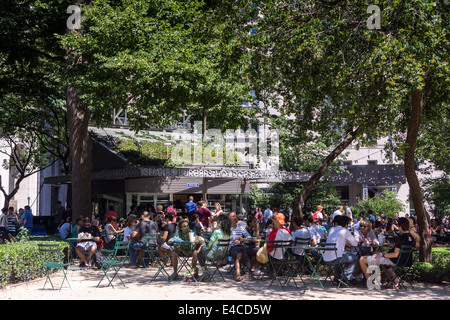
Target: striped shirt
[(10, 219), (239, 231)]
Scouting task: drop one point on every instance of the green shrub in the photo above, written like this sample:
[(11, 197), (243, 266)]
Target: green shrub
[(20, 260), (437, 272)]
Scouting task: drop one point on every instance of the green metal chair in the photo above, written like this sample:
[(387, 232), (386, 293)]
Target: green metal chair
[(328, 266), (404, 261), (114, 263), (152, 253), (51, 258), (303, 266), (213, 264), (284, 270), (109, 252)]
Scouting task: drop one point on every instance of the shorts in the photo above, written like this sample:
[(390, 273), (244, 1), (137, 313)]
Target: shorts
[(378, 261), (86, 245), (164, 245), (235, 250)]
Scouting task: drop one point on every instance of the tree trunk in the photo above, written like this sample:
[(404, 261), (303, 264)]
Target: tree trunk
[(80, 146), (298, 202), (423, 219)]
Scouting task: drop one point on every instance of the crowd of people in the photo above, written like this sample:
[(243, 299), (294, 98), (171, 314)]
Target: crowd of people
[(244, 230)]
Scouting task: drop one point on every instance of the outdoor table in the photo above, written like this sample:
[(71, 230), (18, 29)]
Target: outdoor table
[(321, 249), (73, 245), (184, 251), (360, 248)]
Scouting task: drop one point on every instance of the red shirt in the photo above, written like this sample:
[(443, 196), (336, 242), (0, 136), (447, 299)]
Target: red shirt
[(203, 215)]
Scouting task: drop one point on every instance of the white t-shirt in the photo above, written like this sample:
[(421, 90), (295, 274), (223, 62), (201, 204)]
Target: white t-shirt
[(335, 214), (317, 232), (348, 213), (267, 214), (280, 234), (340, 236), (302, 233)]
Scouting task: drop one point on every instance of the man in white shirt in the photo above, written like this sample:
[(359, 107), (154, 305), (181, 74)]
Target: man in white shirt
[(348, 211), (337, 212), (340, 235)]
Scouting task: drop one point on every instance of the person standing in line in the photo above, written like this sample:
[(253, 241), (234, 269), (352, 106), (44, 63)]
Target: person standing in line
[(190, 207)]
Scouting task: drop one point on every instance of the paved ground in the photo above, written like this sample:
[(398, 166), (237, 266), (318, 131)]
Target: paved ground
[(83, 287)]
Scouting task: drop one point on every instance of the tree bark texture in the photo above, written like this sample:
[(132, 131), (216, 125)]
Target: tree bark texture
[(423, 219), (80, 146), (298, 202)]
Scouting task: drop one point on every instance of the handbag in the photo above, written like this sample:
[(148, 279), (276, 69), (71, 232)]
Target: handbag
[(262, 256)]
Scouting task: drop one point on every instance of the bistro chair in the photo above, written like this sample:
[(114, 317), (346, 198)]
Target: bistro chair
[(284, 270), (51, 258), (404, 261), (329, 266), (109, 252), (114, 263), (212, 265), (152, 253)]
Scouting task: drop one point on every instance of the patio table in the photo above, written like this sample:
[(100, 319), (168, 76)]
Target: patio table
[(184, 250)]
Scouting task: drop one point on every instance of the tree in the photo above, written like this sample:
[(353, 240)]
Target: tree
[(385, 201), (159, 59), (25, 158), (436, 193), (327, 65), (32, 121)]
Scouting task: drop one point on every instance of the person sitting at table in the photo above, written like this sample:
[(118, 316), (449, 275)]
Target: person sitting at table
[(131, 224), (66, 229), (278, 233), (317, 230), (182, 234), (252, 225), (392, 226), (340, 235), (365, 236), (251, 248), (268, 227), (237, 248), (88, 236), (168, 232), (195, 225), (300, 231), (111, 232), (390, 258), (146, 226), (223, 232)]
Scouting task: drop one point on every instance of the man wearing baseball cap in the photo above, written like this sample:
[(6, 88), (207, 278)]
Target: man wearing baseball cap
[(279, 233)]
